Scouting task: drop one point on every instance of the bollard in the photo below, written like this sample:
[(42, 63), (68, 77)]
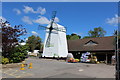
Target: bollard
[(30, 66), (22, 67)]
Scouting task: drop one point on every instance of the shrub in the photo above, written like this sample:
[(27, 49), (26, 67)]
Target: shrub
[(0, 59), (18, 54), (5, 60), (17, 57)]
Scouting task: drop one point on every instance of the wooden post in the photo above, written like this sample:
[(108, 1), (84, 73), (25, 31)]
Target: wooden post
[(106, 58)]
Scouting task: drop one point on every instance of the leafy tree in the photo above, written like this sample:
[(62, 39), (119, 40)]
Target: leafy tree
[(73, 36), (10, 37), (34, 42), (97, 32), (68, 37), (86, 37)]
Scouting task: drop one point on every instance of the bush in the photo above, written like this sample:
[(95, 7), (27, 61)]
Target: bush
[(5, 60), (18, 54), (17, 57)]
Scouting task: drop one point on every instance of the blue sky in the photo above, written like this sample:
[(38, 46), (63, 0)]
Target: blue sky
[(78, 17)]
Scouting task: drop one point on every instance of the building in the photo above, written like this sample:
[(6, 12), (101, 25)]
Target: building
[(103, 47), (55, 44)]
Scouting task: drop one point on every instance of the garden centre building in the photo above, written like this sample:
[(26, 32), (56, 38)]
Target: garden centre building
[(102, 47)]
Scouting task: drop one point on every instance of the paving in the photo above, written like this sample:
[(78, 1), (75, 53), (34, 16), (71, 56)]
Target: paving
[(49, 68)]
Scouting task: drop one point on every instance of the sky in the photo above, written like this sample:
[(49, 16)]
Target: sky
[(77, 17)]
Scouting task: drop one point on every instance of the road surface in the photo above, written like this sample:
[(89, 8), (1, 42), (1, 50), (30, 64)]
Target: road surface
[(48, 68)]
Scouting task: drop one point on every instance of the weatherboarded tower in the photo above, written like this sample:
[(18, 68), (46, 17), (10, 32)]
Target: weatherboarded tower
[(55, 44)]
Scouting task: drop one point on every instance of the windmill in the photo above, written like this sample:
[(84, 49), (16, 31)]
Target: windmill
[(55, 44)]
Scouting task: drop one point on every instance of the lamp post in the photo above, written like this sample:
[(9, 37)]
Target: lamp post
[(117, 58)]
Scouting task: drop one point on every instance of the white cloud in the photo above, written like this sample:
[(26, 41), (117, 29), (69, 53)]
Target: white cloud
[(114, 20), (42, 20), (27, 20), (26, 39), (17, 11), (40, 10), (28, 9), (34, 33), (56, 19), (77, 33)]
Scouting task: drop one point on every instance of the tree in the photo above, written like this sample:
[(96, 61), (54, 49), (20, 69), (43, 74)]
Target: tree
[(73, 36), (34, 42), (68, 37), (97, 32), (86, 37), (10, 37)]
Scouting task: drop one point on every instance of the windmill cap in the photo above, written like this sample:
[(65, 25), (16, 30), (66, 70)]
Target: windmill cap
[(57, 26)]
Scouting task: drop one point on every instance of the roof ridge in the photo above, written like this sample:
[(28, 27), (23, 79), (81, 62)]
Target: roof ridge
[(92, 38)]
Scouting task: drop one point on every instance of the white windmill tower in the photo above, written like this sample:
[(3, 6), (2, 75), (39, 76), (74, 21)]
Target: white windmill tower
[(55, 44)]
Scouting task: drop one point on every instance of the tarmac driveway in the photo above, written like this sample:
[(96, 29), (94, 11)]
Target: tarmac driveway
[(48, 68)]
